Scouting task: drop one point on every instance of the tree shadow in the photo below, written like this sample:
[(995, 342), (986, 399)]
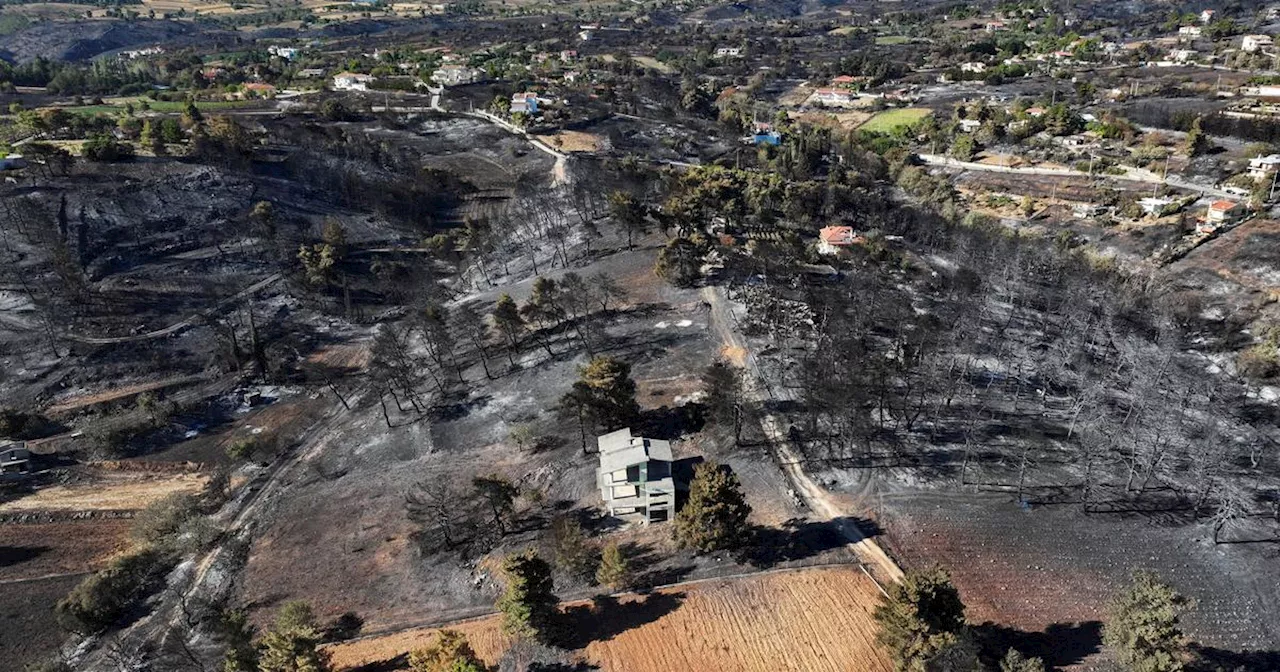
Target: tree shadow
[(16, 555), (1060, 645), (798, 539), (670, 422), (400, 662), (607, 617), (1211, 658)]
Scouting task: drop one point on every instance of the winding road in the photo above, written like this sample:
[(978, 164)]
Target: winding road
[(875, 561)]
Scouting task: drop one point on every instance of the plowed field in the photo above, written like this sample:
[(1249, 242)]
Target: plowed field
[(808, 620)]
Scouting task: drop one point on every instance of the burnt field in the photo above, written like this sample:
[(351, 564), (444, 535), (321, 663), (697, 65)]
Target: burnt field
[(1040, 576), (1037, 423)]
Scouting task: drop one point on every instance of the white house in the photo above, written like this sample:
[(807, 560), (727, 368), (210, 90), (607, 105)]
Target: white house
[(833, 239), (457, 75), (1254, 43), (287, 53), (1264, 167), (351, 81), (524, 103), (729, 52), (834, 95), (635, 477), (1264, 91), (1182, 55), (1189, 32), (1155, 206), (1224, 212), (973, 67), (969, 125), (1206, 16)]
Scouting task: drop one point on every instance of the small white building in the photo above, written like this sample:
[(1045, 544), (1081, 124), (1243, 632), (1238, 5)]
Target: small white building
[(969, 125), (287, 53), (1264, 167), (1182, 55), (1255, 43), (1154, 205), (635, 477), (839, 96), (1206, 16), (457, 75), (351, 81), (1189, 32), (729, 52), (975, 66)]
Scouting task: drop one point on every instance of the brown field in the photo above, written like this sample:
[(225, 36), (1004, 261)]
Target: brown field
[(111, 491), (810, 620), (31, 550), (71, 403), (574, 141)]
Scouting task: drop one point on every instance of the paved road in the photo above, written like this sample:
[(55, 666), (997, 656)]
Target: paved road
[(880, 566)]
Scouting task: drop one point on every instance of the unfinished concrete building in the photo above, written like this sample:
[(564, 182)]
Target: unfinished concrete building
[(635, 477)]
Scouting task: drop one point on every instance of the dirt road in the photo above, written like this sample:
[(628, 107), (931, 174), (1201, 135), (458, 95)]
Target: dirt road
[(882, 568)]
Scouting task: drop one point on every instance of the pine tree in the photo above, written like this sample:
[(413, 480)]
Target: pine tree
[(450, 652), (1143, 625), (572, 551), (715, 515), (610, 392), (508, 322), (291, 645), (614, 572), (1197, 142), (921, 619), (1014, 661), (528, 605)]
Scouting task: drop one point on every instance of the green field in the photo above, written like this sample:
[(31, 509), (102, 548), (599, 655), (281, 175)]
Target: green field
[(884, 40), (165, 106), (890, 120)]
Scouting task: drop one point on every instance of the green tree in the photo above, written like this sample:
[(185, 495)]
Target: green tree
[(715, 515), (630, 214), (606, 393), (234, 629), (570, 548), (318, 263), (964, 148), (1143, 627), (292, 644), (1197, 142), (105, 148), (614, 572), (921, 619), (509, 324), (1014, 661), (680, 262), (528, 604), (450, 652)]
